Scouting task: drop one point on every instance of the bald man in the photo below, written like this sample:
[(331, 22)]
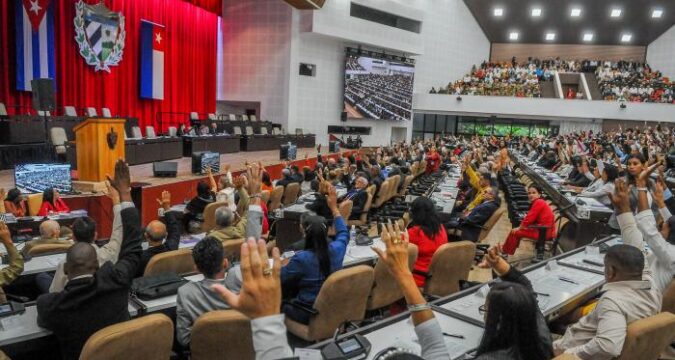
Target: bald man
[(50, 231), (94, 297), (160, 237)]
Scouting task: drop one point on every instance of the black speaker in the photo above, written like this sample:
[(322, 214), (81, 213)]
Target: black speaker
[(343, 116), (165, 169), (43, 94), (333, 146)]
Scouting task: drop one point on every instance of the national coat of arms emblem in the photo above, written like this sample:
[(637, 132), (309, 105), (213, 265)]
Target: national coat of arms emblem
[(100, 34)]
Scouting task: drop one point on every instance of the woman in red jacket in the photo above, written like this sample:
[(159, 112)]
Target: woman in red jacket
[(540, 214), (433, 160), (427, 232), (52, 203)]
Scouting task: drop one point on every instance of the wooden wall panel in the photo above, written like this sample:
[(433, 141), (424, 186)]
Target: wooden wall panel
[(504, 52)]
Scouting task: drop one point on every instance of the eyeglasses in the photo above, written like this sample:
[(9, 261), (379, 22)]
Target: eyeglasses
[(482, 309)]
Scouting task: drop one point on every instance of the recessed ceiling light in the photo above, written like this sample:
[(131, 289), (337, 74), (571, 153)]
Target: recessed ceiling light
[(498, 12), (576, 12), (626, 37), (657, 13), (615, 13), (514, 35), (536, 12), (550, 36), (588, 37)]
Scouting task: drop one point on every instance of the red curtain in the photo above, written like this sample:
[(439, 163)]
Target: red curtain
[(189, 63), (214, 6)]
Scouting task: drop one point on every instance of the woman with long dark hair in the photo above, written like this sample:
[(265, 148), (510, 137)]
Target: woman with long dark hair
[(427, 232), (52, 203), (266, 182), (540, 214), (15, 203), (307, 270)]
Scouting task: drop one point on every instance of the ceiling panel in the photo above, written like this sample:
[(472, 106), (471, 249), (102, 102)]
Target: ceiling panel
[(636, 20)]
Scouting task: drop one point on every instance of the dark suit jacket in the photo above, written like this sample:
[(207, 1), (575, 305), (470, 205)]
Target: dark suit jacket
[(320, 206), (471, 225), (284, 181), (173, 230), (359, 200), (89, 304)]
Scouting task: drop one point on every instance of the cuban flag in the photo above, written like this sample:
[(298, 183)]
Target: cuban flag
[(34, 42), (152, 60)]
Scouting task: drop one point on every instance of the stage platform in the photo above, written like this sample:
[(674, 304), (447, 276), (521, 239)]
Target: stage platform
[(183, 187)]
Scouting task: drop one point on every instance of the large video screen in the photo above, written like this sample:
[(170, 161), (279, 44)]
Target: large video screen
[(35, 178), (376, 88)]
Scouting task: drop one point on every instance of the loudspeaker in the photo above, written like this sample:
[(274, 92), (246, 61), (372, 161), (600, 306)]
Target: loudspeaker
[(165, 169), (343, 116), (43, 94), (333, 146)]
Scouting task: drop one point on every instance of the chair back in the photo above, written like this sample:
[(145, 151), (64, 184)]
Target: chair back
[(275, 198), (382, 194), (58, 136), (150, 132), (194, 115), (136, 132), (222, 334), (232, 249), (210, 215), (393, 187), (406, 184), (91, 112), (450, 263), (342, 298), (490, 223), (212, 116), (237, 130), (149, 337), (43, 249), (363, 219), (249, 130), (173, 131), (422, 168), (291, 193), (253, 118), (346, 209), (3, 109), (298, 131), (669, 298), (265, 196), (263, 131), (106, 113), (44, 113), (647, 338), (232, 117), (70, 111), (565, 356), (276, 131), (34, 204), (385, 289), (244, 118), (176, 261)]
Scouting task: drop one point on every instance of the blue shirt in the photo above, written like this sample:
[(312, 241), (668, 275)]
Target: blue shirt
[(303, 268)]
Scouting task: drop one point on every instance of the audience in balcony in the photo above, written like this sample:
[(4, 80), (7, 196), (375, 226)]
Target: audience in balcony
[(635, 82)]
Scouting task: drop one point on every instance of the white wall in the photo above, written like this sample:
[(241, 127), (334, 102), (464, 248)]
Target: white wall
[(661, 53), (255, 60)]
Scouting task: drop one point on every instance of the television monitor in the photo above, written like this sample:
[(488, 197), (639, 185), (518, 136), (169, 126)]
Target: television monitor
[(378, 87), (205, 159), (35, 178)]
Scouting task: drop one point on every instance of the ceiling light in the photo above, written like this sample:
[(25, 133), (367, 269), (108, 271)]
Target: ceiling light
[(657, 13), (626, 37), (550, 36), (615, 13), (576, 12), (499, 12), (536, 12), (513, 36), (588, 37)]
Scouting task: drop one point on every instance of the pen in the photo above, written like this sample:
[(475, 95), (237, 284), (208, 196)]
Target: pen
[(567, 280), (542, 294), (592, 262), (454, 335)]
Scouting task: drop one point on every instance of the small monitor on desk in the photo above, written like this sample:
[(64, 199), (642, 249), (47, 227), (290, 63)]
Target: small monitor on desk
[(35, 178), (203, 160)]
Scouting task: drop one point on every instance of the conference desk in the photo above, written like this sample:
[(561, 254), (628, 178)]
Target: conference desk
[(220, 143), (587, 217), (31, 224), (21, 327), (458, 313), (272, 142), (144, 151)]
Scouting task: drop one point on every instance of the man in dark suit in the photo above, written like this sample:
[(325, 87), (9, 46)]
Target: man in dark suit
[(285, 179), (358, 196), (161, 237), (469, 225), (94, 297)]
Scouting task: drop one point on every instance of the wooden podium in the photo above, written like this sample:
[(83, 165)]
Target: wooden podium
[(99, 144)]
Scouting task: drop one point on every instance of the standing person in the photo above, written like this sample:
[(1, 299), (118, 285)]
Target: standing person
[(94, 297), (52, 202), (428, 233), (540, 214), (433, 160)]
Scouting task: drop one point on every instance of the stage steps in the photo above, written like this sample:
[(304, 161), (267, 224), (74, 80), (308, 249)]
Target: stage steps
[(593, 86)]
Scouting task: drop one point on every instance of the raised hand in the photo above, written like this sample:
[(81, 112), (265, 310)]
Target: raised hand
[(5, 235), (331, 199), (621, 196), (165, 200), (254, 174), (643, 179), (3, 194), (396, 254), (113, 193), (239, 181), (122, 180), (493, 260), (261, 287)]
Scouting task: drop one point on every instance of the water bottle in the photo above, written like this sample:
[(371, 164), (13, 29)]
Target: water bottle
[(352, 236)]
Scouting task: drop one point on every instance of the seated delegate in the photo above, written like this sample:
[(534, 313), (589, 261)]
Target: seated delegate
[(52, 203)]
